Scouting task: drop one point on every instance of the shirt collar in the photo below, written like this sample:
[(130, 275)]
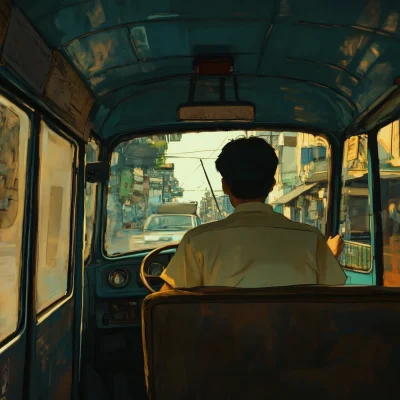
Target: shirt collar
[(253, 206)]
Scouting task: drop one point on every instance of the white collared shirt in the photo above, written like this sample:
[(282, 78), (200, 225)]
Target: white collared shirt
[(253, 247)]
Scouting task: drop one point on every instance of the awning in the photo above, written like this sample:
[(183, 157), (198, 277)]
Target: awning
[(355, 191), (382, 174), (389, 174), (318, 177), (288, 197)]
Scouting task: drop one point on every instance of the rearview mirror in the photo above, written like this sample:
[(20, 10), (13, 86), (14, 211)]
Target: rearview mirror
[(97, 172), (217, 112)]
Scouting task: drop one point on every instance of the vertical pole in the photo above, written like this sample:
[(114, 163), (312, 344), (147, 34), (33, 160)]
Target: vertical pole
[(146, 200), (212, 191), (163, 186), (375, 206)]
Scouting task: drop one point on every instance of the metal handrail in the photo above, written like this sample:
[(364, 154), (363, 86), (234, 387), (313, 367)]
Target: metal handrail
[(356, 256)]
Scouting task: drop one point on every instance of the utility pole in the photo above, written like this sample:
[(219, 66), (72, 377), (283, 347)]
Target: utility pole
[(145, 197), (163, 186), (212, 191)]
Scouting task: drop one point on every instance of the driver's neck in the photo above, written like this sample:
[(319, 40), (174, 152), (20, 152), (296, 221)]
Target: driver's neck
[(235, 201)]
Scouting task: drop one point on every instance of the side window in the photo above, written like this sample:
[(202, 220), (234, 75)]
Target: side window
[(389, 171), (301, 189), (92, 154), (355, 206), (14, 134), (57, 158)]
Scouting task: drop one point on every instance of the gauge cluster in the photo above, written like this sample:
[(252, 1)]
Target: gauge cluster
[(154, 269), (119, 280), (120, 291)]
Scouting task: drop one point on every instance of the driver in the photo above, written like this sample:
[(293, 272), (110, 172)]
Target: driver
[(255, 246)]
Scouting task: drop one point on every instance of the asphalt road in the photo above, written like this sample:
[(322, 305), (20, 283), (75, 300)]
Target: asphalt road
[(129, 240)]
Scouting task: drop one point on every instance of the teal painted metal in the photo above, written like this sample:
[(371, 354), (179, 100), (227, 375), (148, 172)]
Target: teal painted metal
[(355, 278), (375, 275), (304, 63)]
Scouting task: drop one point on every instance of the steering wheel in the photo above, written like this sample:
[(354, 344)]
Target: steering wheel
[(143, 276)]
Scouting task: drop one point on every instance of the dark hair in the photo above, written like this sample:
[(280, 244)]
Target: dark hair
[(248, 166)]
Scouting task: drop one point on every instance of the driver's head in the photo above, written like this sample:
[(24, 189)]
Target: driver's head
[(248, 167)]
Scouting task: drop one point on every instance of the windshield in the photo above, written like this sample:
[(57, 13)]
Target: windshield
[(153, 171), (169, 222)]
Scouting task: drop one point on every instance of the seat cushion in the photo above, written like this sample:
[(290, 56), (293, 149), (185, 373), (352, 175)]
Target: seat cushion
[(287, 342)]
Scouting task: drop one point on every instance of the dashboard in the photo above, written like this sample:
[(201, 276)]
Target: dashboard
[(120, 291)]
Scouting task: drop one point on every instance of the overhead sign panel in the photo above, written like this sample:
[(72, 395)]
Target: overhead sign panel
[(66, 90), (216, 112)]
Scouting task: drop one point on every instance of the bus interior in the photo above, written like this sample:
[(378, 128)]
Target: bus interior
[(112, 114)]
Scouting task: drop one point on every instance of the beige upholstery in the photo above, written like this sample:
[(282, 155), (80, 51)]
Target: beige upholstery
[(275, 343)]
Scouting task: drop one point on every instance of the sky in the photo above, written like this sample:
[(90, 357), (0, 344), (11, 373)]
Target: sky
[(186, 156)]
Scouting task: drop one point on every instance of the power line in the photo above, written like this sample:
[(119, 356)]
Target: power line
[(201, 190), (189, 152), (168, 156), (204, 158)]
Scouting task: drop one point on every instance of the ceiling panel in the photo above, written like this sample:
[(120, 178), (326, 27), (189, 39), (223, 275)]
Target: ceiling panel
[(62, 21), (278, 101), (307, 62), (376, 15), (102, 51)]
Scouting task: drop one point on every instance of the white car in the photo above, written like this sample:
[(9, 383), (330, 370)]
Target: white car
[(170, 223)]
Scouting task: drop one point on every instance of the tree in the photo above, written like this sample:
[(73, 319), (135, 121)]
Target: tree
[(148, 153), (160, 160)]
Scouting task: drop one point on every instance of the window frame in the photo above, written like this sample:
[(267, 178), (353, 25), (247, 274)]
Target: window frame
[(87, 259), (377, 194), (25, 257), (72, 224), (371, 167), (333, 154)]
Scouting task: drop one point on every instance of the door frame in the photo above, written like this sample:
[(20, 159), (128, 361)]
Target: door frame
[(69, 307), (18, 341)]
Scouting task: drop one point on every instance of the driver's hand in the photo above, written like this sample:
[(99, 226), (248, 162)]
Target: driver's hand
[(336, 245)]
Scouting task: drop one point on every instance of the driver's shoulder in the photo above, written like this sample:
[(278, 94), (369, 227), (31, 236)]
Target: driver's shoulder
[(205, 228)]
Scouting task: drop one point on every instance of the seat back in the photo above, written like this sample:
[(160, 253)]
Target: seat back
[(307, 342)]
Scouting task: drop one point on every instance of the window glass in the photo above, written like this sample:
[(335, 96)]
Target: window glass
[(14, 134), (55, 200), (162, 174), (301, 189), (92, 154), (169, 222), (355, 206), (389, 170)]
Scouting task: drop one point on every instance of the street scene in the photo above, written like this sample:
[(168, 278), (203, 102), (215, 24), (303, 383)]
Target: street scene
[(147, 173)]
